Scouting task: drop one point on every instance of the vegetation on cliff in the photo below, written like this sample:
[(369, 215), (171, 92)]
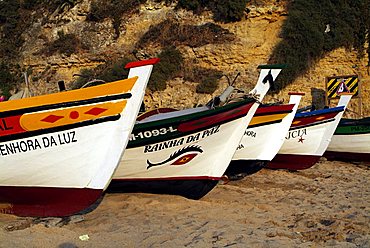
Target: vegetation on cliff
[(171, 64), (173, 33), (66, 44), (8, 78), (223, 11), (10, 27), (312, 29), (116, 10)]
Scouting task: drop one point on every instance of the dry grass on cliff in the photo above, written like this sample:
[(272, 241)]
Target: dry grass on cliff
[(172, 33)]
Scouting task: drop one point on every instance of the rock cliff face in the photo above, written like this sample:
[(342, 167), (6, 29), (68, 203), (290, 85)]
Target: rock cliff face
[(257, 34)]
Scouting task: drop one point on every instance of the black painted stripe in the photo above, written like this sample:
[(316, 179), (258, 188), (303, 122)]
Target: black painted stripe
[(58, 129), (349, 134), (333, 93), (189, 187), (354, 122), (350, 82), (273, 113), (331, 84), (354, 89), (265, 123), (65, 105)]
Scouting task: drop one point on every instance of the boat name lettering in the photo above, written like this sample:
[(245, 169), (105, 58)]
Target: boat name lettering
[(240, 146), (181, 141), (211, 131), (296, 134), (37, 143), (164, 145), (4, 126), (250, 133), (360, 128), (152, 133)]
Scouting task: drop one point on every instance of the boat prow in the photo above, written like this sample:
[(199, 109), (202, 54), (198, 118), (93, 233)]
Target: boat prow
[(309, 137), (351, 141), (58, 152), (263, 138), (186, 152)]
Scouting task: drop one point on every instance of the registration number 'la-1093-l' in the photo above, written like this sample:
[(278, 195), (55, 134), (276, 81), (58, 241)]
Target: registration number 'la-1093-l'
[(152, 133)]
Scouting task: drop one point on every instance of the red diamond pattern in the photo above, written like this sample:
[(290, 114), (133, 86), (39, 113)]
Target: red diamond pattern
[(52, 118), (95, 111)]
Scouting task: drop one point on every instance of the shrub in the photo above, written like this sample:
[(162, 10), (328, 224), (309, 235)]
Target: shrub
[(169, 33), (11, 40), (115, 71), (305, 39), (169, 66), (13, 18), (207, 86), (109, 72), (99, 10), (9, 12), (207, 79), (30, 4), (51, 5), (113, 9), (83, 77), (8, 79), (67, 44), (194, 5), (229, 11), (224, 11)]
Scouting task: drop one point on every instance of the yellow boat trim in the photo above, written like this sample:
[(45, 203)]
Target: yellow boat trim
[(113, 88), (260, 120), (61, 117)]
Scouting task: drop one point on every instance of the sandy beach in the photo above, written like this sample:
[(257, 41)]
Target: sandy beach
[(327, 205)]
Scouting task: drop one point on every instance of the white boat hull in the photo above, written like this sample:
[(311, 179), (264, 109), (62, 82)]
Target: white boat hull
[(58, 152)]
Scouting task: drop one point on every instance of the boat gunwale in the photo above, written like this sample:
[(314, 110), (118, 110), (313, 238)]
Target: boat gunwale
[(68, 104), (354, 122), (123, 86), (312, 124), (319, 112), (139, 126), (348, 130), (178, 121), (274, 109)]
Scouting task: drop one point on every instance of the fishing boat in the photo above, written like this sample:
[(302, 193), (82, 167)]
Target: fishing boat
[(186, 152), (58, 152), (263, 138), (351, 141), (309, 137)]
